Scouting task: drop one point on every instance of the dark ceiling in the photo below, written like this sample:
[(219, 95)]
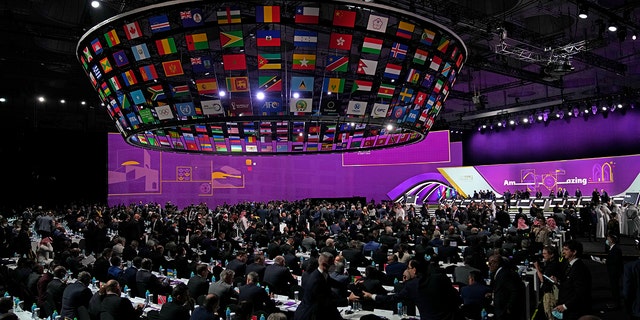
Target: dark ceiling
[(519, 56)]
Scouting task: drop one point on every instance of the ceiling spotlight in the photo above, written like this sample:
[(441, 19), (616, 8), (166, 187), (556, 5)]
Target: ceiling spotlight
[(63, 101), (95, 4), (539, 117), (260, 95), (499, 124), (612, 26), (619, 105), (296, 95), (41, 98), (633, 37), (389, 127), (223, 93), (83, 103), (512, 122), (484, 126), (3, 99), (604, 108), (525, 120), (583, 12)]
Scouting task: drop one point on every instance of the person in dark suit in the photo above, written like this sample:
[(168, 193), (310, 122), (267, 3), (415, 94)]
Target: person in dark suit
[(279, 277), (55, 290), (394, 269), (337, 272), (508, 289), (574, 297), (199, 284), (432, 292), (130, 251), (257, 266), (179, 308), (354, 255), (145, 280), (207, 310), (474, 295), (239, 264), (129, 276), (615, 267), (317, 300), (115, 305), (76, 295), (257, 295)]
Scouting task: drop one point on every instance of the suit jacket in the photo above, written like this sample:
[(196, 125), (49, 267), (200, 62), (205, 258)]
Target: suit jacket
[(119, 308), (197, 286), (174, 311), (258, 296), (317, 301), (355, 257), (508, 294), (238, 266), (461, 273), (575, 290), (279, 278), (614, 262), (129, 279), (257, 268), (55, 290), (74, 296), (145, 280), (395, 270), (631, 287)]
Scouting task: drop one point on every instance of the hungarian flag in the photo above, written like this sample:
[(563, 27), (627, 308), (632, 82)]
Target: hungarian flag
[(132, 30), (344, 18), (340, 41), (229, 15), (371, 45), (307, 15), (172, 68), (236, 61), (197, 41)]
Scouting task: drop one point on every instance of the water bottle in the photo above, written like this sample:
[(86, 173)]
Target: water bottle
[(228, 313), (395, 281), (34, 311), (161, 270), (6, 294), (266, 289), (146, 297), (93, 281), (526, 263), (54, 315), (483, 314), (213, 279), (262, 317), (400, 309), (192, 274), (170, 299)]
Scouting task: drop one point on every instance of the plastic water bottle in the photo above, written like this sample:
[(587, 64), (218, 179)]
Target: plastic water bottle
[(146, 297), (213, 279), (262, 317), (170, 299), (400, 309), (266, 289), (526, 263), (94, 281), (34, 311), (54, 315), (6, 294), (395, 281), (192, 274), (161, 270), (483, 314), (228, 313)]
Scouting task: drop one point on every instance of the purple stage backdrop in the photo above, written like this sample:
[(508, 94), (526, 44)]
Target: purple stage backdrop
[(136, 174)]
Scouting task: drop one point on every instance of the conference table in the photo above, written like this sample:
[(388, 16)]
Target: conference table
[(285, 304)]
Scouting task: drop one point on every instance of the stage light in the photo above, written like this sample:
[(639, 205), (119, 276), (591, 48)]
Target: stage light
[(223, 93), (484, 126), (3, 99), (499, 124), (612, 26), (620, 106), (525, 120), (540, 117), (512, 122), (604, 108), (95, 4), (83, 102), (63, 101), (260, 95), (583, 12), (41, 99), (560, 114), (296, 95)]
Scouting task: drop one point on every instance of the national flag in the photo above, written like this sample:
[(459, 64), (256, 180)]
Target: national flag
[(120, 58), (405, 30), (164, 112), (337, 63), (129, 78), (398, 112), (379, 110), (92, 78), (237, 84), (371, 45), (377, 23), (172, 68), (357, 108), (362, 85), (197, 41), (112, 38), (87, 54), (302, 84), (301, 105), (201, 64), (438, 86), (166, 46), (268, 14), (269, 61), (304, 38), (367, 67), (115, 83), (420, 57), (123, 100), (96, 46), (140, 52), (340, 41), (446, 69), (106, 65), (386, 90), (268, 38), (421, 97), (304, 61), (344, 18), (229, 15), (157, 93), (236, 61), (333, 85), (212, 107), (307, 15), (459, 60), (413, 76), (137, 97), (207, 86), (159, 24), (444, 45), (231, 39), (179, 91), (148, 72), (132, 30), (427, 37), (398, 50), (270, 83), (428, 80), (105, 89), (392, 71), (406, 94), (185, 109), (435, 63), (191, 18)]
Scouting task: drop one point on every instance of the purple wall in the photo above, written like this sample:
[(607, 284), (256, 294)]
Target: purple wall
[(575, 138)]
